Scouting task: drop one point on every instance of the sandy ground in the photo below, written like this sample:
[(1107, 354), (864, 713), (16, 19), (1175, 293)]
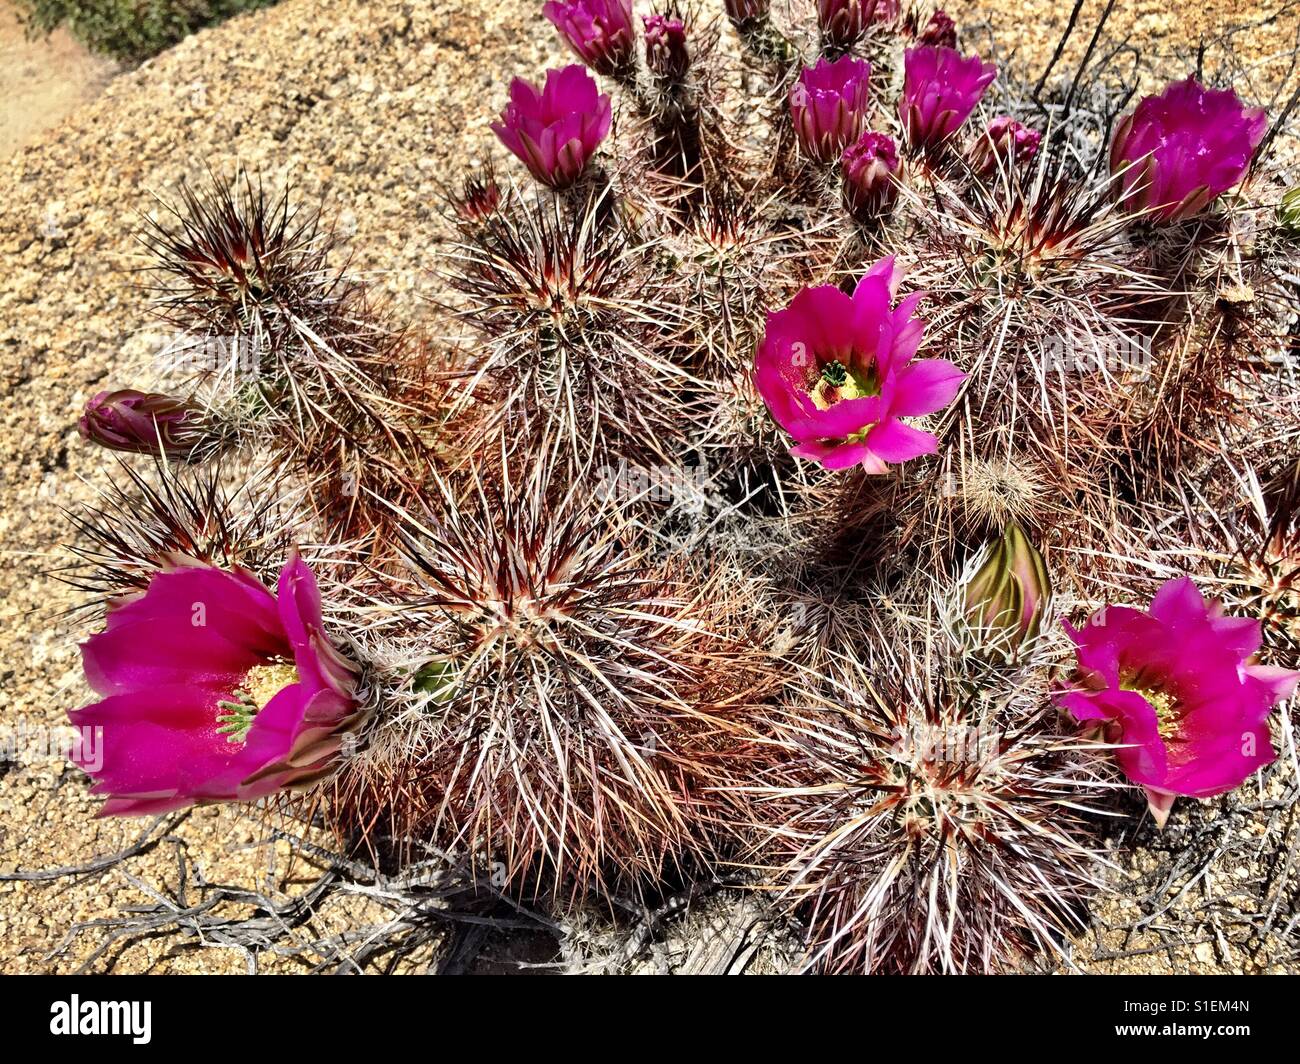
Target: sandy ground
[(367, 106), (42, 81)]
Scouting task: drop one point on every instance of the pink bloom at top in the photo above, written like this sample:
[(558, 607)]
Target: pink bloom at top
[(837, 373), (213, 689), (828, 106), (843, 22), (940, 90), (1174, 685), (556, 130), (1004, 142), (1182, 149), (940, 31), (600, 32)]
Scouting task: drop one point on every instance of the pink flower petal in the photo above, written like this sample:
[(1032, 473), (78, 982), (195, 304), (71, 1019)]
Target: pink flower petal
[(894, 442), (926, 386)]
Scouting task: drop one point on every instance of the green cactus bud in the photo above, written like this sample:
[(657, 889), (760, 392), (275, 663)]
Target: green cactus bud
[(1288, 210), (1006, 598), (436, 678)]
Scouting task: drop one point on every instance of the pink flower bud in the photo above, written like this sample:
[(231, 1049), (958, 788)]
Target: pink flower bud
[(870, 166), (1004, 143), (144, 423), (940, 31), (843, 22), (665, 47), (747, 12)]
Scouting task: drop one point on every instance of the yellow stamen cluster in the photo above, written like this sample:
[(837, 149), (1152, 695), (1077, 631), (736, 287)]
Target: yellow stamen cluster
[(838, 382), (262, 684), (1168, 716)]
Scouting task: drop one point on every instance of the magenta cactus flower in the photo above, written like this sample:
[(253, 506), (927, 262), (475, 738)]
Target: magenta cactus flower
[(828, 106), (665, 47), (1004, 141), (557, 129), (939, 32), (1175, 686), (1180, 150), (600, 32), (144, 423), (940, 90), (870, 168), (214, 690), (843, 22), (838, 373)]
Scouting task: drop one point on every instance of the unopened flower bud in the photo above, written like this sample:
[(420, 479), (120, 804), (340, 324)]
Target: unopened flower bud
[(1006, 598), (843, 22), (940, 31), (747, 13), (1004, 143), (1288, 211), (479, 197), (438, 679), (144, 423), (870, 166), (665, 47)]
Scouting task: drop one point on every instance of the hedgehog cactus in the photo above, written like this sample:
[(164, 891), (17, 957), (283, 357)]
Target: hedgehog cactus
[(766, 425), (919, 820)]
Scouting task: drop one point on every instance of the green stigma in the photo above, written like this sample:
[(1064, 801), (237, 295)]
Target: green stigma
[(834, 374), (837, 381)]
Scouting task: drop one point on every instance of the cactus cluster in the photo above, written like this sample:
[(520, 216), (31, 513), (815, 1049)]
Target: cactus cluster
[(810, 477)]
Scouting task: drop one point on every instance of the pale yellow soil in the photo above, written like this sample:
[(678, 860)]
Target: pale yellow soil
[(368, 105), (42, 81)]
